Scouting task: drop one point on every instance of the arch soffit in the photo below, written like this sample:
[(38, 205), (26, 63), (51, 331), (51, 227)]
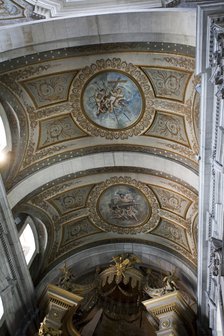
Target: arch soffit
[(52, 34)]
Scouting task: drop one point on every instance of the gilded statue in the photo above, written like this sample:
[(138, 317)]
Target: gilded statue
[(65, 278), (47, 331), (124, 262)]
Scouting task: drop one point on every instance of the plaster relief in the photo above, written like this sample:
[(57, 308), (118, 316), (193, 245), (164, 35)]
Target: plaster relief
[(172, 201), (58, 129), (169, 126), (168, 83), (172, 232), (49, 89), (76, 230), (71, 200)]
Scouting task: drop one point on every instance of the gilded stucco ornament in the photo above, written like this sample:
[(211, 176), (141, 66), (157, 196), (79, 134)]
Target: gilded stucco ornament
[(112, 99), (123, 205)]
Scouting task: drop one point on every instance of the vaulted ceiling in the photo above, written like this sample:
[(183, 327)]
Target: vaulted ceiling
[(104, 120), (105, 145)]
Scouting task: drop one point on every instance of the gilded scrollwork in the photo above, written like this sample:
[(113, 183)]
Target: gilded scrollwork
[(57, 130), (49, 89), (171, 106), (76, 230), (169, 126), (112, 99), (181, 62), (172, 201), (70, 200), (54, 133), (168, 83), (172, 232)]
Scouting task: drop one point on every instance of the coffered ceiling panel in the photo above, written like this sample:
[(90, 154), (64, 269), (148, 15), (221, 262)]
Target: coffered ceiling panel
[(168, 83), (49, 89)]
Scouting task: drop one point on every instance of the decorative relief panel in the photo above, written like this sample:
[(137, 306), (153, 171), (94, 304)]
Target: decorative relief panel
[(112, 99), (172, 232), (196, 116), (58, 129), (123, 205), (168, 83), (168, 126), (71, 200), (186, 63), (49, 89), (10, 10), (172, 201), (76, 230)]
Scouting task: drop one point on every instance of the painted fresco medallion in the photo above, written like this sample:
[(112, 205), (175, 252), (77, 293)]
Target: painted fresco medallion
[(112, 99), (123, 205)]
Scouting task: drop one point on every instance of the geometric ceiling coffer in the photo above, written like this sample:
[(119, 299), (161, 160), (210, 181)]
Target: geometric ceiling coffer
[(70, 200), (112, 99), (47, 90), (168, 83), (169, 126), (123, 205), (58, 129)]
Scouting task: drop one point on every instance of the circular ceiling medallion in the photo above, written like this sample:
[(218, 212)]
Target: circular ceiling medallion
[(112, 99), (123, 205)]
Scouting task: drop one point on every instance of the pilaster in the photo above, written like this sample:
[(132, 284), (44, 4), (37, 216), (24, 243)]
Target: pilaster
[(57, 304), (210, 65), (174, 315)]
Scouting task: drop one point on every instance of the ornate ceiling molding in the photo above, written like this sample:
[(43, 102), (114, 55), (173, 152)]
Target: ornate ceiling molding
[(76, 8)]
